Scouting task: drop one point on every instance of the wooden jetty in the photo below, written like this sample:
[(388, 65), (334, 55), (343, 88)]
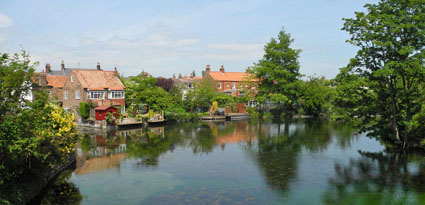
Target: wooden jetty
[(125, 124), (237, 116), (213, 117), (156, 119), (228, 117)]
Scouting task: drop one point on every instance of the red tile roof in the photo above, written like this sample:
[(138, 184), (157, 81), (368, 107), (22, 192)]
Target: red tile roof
[(229, 76), (98, 79), (56, 81), (104, 107)]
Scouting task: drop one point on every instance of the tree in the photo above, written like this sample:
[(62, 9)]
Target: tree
[(201, 96), (165, 83), (314, 95), (37, 137), (391, 41), (278, 71), (144, 90)]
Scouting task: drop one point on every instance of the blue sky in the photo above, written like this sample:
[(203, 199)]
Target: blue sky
[(165, 37)]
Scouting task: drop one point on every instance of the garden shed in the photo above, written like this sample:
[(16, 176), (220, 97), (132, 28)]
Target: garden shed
[(102, 111)]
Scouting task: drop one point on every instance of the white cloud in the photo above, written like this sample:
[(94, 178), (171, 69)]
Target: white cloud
[(5, 21)]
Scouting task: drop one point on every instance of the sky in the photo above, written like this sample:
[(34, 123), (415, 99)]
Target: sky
[(171, 37)]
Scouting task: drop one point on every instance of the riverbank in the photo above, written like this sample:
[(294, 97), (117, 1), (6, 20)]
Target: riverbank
[(33, 184)]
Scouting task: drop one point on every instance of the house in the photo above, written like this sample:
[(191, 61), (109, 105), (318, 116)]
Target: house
[(71, 86), (186, 83), (231, 83)]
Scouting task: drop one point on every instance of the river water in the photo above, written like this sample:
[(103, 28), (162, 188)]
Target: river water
[(310, 161)]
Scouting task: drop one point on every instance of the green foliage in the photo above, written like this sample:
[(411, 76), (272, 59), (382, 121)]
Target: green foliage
[(142, 89), (84, 109), (110, 118), (315, 95), (278, 71), (201, 96), (224, 100), (387, 71), (253, 113), (35, 137)]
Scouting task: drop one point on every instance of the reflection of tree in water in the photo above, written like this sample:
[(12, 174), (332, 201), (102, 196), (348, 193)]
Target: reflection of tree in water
[(277, 151), (378, 178), (149, 146), (61, 191)]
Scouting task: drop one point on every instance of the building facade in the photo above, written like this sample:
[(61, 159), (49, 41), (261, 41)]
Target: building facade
[(71, 86), (231, 83)]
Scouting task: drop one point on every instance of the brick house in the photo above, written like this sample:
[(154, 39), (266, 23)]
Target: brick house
[(186, 83), (70, 86), (231, 83)]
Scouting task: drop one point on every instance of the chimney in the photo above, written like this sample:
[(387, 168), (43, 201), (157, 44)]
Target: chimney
[(208, 69), (174, 76), (62, 66), (180, 76), (48, 68), (222, 69), (116, 71), (98, 66)]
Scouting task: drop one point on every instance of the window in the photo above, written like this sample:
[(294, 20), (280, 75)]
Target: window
[(50, 93), (253, 85), (219, 85), (96, 95), (233, 85), (77, 95), (66, 95), (227, 85), (72, 78), (116, 95)]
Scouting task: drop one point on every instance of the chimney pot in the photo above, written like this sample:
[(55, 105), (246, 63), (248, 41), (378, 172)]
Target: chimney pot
[(222, 69), (48, 68), (98, 66), (116, 71), (63, 65)]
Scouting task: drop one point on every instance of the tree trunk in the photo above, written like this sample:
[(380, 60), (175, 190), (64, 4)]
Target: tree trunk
[(394, 111)]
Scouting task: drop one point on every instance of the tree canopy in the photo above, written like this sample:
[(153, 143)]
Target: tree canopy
[(382, 80), (278, 70)]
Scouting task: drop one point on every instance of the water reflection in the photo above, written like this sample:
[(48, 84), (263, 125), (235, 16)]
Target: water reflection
[(243, 162), (380, 177)]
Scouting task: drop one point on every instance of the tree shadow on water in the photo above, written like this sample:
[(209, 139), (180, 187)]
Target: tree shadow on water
[(378, 178)]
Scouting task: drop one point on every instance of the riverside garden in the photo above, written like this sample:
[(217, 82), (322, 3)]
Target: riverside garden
[(357, 138)]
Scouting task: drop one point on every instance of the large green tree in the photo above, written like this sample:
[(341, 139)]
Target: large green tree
[(278, 71), (36, 138), (143, 90), (201, 96), (390, 60)]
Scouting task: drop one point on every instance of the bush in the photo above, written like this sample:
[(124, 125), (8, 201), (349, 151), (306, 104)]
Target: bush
[(253, 112)]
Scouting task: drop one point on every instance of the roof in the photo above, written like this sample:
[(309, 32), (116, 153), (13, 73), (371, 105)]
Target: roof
[(104, 107), (229, 76), (99, 79), (66, 71), (56, 81), (193, 78)]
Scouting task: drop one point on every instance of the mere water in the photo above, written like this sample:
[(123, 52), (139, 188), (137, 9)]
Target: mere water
[(293, 162)]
